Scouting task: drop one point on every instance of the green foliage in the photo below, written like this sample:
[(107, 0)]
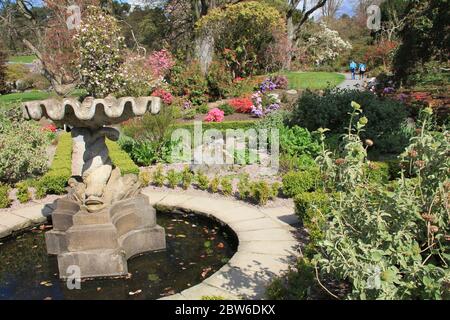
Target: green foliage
[(186, 177), (227, 109), (121, 159), (220, 80), (388, 243), (244, 186), (203, 109), (260, 192), (145, 178), (158, 177), (378, 172), (5, 201), (221, 126), (55, 180), (332, 111), (16, 72), (173, 178), (23, 194), (297, 141), (314, 80), (226, 186), (188, 80), (189, 114), (298, 182), (22, 149), (202, 180), (295, 163), (296, 285), (275, 189), (246, 32), (214, 184)]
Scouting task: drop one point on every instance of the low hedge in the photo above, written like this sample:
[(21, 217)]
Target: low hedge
[(55, 180), (296, 182), (121, 159), (221, 126)]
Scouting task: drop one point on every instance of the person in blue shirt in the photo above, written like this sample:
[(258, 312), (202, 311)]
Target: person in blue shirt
[(353, 67), (362, 70)]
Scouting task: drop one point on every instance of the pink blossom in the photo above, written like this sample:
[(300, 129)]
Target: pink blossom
[(160, 62), (214, 115)]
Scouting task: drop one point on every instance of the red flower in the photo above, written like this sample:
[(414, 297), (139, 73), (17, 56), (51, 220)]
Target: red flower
[(49, 128), (164, 95), (243, 105)]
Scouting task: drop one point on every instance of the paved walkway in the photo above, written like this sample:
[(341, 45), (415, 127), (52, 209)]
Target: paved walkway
[(351, 84), (267, 245), (266, 248)]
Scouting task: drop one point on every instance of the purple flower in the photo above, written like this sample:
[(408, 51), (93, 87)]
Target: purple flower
[(388, 90)]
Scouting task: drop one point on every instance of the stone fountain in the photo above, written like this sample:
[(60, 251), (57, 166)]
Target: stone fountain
[(104, 219)]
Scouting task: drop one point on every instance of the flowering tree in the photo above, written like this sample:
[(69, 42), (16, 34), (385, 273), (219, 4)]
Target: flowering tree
[(101, 60), (326, 45)]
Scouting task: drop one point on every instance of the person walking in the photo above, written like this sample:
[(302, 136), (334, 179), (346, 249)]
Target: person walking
[(353, 67), (362, 70)]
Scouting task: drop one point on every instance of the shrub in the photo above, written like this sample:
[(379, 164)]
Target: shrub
[(55, 180), (173, 178), (332, 110), (280, 81), (186, 178), (377, 172), (16, 71), (219, 79), (190, 82), (202, 181), (244, 186), (22, 150), (298, 182), (3, 57), (145, 178), (242, 105), (226, 186), (5, 201), (275, 189), (203, 109), (23, 194), (214, 115), (214, 184), (165, 96), (260, 192), (189, 114), (366, 221), (227, 109), (295, 163), (158, 176), (297, 141)]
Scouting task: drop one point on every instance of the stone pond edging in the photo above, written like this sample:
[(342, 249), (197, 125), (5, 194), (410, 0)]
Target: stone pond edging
[(266, 248)]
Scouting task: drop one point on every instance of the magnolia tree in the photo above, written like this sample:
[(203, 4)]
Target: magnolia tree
[(101, 48), (326, 45)]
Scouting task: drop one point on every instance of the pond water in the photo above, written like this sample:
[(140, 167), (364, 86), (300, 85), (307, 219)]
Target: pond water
[(196, 248)]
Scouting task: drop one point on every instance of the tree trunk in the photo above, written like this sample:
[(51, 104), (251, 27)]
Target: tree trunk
[(204, 51), (290, 40)]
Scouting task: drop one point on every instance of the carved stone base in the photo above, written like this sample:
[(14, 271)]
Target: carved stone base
[(100, 243)]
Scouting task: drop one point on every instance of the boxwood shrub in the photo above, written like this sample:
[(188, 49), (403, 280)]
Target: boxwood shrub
[(121, 159), (296, 182), (5, 201)]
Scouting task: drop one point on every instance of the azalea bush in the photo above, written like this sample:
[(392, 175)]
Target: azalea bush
[(165, 96), (242, 105), (214, 115)]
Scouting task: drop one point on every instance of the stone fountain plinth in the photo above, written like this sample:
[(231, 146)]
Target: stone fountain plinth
[(104, 219)]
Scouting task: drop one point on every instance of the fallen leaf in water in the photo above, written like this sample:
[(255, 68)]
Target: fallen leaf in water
[(98, 289), (220, 245), (34, 247), (48, 298), (132, 293), (205, 272), (181, 236), (153, 277)]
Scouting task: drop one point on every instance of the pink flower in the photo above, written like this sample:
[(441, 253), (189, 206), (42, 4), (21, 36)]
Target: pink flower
[(164, 95), (160, 62), (214, 115)]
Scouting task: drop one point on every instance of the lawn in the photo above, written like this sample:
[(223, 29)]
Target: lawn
[(33, 95), (22, 59), (313, 80)]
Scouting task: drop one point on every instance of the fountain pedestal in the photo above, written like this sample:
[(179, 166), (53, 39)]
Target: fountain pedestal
[(100, 244), (104, 220)]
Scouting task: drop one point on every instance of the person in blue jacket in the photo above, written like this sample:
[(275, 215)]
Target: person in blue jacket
[(362, 70), (353, 67)]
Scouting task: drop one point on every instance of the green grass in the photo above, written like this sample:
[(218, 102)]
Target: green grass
[(22, 59), (24, 96), (33, 95), (313, 80)]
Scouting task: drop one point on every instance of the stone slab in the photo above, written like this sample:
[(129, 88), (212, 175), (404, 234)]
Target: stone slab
[(201, 290), (14, 222), (36, 214)]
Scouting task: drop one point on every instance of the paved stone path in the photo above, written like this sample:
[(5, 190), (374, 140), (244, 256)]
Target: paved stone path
[(266, 248), (267, 245), (351, 84)]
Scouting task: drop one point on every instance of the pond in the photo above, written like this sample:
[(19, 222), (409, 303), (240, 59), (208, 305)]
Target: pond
[(196, 248)]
